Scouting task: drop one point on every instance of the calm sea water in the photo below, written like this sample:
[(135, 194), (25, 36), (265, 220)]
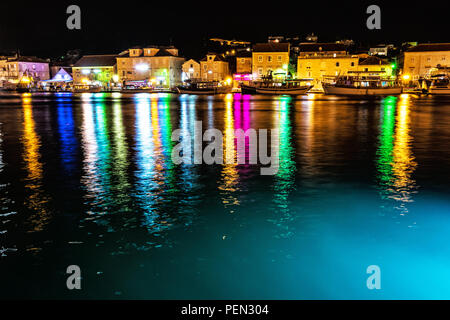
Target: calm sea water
[(88, 180)]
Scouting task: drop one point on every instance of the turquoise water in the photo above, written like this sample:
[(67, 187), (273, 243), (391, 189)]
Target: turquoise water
[(88, 180)]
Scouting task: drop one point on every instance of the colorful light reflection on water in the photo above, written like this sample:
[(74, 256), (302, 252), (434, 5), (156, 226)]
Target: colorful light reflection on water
[(88, 179)]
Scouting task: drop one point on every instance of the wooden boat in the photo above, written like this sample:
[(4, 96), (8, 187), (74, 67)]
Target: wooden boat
[(297, 90), (361, 91), (440, 85), (203, 88), (362, 85), (289, 87)]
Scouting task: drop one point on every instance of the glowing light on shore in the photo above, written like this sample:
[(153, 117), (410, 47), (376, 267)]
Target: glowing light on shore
[(141, 67)]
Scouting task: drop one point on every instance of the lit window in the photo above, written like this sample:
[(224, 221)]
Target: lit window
[(280, 58), (260, 58)]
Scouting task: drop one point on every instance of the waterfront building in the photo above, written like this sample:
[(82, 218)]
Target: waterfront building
[(191, 70), (95, 70), (421, 61), (214, 67), (243, 67), (376, 66), (270, 58), (381, 50), (330, 49), (157, 66), (319, 60), (3, 70), (244, 62), (22, 70)]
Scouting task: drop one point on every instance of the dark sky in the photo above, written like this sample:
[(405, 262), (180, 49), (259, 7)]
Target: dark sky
[(110, 27)]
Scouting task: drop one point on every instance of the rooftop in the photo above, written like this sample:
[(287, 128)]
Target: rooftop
[(149, 46), (430, 47), (104, 60), (244, 54), (163, 51), (372, 60), (271, 47), (27, 59), (191, 61), (216, 58)]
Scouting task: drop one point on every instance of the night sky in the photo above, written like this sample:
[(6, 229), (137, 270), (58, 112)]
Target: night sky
[(110, 27)]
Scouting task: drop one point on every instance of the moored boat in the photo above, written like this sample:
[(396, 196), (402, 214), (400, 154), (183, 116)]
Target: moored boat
[(289, 87), (361, 91), (360, 85), (440, 85), (203, 88)]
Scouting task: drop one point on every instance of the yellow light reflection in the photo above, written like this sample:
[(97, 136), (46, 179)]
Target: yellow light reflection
[(404, 162), (156, 135), (230, 176), (36, 200)]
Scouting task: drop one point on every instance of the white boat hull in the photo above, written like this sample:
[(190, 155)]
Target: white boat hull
[(347, 91), (292, 91), (439, 90)]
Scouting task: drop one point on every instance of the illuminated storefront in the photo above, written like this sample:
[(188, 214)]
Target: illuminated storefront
[(96, 71)]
